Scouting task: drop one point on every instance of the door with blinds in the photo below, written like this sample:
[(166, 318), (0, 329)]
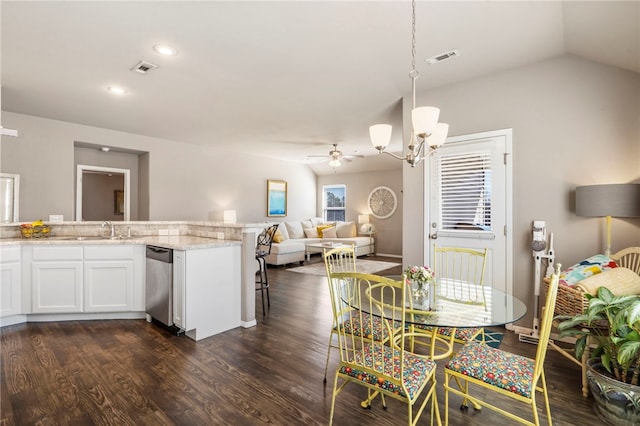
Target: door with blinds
[(469, 195)]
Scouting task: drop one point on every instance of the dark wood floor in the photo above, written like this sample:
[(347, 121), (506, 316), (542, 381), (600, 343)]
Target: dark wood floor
[(130, 372)]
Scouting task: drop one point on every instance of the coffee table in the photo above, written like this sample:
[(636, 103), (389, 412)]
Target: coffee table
[(319, 247)]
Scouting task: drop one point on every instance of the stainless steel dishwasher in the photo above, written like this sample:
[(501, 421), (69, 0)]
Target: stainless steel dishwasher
[(159, 282)]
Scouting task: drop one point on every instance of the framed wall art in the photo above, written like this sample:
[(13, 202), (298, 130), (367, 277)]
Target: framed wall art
[(276, 198)]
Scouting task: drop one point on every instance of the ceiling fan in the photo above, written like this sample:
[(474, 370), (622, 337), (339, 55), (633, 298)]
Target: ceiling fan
[(335, 157)]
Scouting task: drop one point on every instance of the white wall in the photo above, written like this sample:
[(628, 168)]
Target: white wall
[(359, 186), (574, 123), (186, 182)]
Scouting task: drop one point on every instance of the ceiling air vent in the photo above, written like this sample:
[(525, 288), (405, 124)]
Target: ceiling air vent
[(442, 57), (142, 67)]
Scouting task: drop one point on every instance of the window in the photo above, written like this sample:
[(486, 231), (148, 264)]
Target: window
[(334, 202), (465, 191)]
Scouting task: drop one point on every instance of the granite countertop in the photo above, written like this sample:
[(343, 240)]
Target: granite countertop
[(177, 242)]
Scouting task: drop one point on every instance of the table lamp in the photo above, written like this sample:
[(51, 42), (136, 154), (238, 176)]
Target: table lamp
[(612, 200), (365, 225)]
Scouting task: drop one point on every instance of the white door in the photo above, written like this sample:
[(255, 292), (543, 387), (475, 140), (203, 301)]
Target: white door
[(469, 196)]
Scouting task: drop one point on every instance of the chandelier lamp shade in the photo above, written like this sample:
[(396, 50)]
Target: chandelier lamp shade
[(611, 200), (425, 128)]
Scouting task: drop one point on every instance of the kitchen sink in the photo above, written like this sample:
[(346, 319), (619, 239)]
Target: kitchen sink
[(85, 238)]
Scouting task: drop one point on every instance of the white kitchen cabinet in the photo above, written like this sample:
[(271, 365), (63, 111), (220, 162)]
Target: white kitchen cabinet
[(179, 277), (10, 286), (108, 286), (207, 287), (90, 278), (56, 279), (109, 278)]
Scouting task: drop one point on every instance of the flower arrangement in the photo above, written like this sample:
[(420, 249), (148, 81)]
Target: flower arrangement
[(420, 274)]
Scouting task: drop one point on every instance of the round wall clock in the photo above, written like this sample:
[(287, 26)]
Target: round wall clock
[(382, 202)]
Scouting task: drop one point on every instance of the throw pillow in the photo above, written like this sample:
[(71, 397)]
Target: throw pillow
[(278, 238), (306, 224), (586, 268), (315, 221), (621, 281), (294, 229), (346, 230), (282, 228), (329, 232), (321, 228), (311, 232)]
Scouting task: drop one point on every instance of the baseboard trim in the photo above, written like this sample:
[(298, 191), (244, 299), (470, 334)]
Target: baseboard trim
[(248, 324), (398, 256)]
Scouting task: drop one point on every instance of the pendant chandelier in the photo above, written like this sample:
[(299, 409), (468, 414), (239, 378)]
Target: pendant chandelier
[(425, 126)]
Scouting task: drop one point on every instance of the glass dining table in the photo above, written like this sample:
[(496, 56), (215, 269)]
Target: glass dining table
[(496, 307)]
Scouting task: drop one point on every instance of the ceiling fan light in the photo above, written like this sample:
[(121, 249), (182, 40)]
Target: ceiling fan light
[(334, 163), (439, 135), (380, 135), (424, 120)]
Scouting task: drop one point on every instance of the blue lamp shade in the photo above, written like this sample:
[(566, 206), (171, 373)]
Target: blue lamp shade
[(616, 200)]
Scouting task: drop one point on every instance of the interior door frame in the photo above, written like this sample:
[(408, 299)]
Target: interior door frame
[(13, 204), (508, 231), (127, 188)]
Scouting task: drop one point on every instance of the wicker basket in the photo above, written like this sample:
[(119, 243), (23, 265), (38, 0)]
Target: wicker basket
[(570, 301), (35, 231)]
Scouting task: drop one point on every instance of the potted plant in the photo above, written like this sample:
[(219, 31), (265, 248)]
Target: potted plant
[(612, 324)]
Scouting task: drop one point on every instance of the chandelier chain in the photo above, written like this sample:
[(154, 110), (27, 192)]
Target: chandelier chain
[(413, 37)]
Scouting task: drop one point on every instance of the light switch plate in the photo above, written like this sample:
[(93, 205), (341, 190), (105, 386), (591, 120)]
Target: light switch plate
[(56, 218)]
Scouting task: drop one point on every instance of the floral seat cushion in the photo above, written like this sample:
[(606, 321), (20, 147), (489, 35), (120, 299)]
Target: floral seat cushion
[(416, 369), (462, 334), (352, 324), (499, 368)]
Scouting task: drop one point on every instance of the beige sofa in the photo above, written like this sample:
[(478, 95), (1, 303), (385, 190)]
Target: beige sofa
[(290, 243)]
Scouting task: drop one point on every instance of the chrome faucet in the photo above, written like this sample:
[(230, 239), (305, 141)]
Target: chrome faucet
[(113, 228)]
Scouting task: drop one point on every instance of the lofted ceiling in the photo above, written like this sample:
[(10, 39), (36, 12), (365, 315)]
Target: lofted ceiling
[(285, 79)]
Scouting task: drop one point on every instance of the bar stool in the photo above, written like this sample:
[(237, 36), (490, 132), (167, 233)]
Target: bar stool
[(263, 248)]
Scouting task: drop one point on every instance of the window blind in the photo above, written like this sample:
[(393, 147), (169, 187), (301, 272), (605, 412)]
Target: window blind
[(465, 191)]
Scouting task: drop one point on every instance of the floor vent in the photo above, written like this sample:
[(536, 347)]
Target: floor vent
[(143, 67)]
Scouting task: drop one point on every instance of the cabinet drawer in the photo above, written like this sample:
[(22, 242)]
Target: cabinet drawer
[(113, 252), (57, 253), (10, 254)]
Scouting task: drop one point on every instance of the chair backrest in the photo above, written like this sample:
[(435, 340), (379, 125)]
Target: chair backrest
[(629, 258), (265, 239), (460, 274), (339, 259), (546, 323), (383, 297)]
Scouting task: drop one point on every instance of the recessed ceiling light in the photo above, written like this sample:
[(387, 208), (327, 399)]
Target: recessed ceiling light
[(104, 149), (116, 90), (165, 50)]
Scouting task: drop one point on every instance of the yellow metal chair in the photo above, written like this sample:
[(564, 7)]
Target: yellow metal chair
[(382, 368), (343, 259), (459, 277), (340, 259), (513, 376)]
